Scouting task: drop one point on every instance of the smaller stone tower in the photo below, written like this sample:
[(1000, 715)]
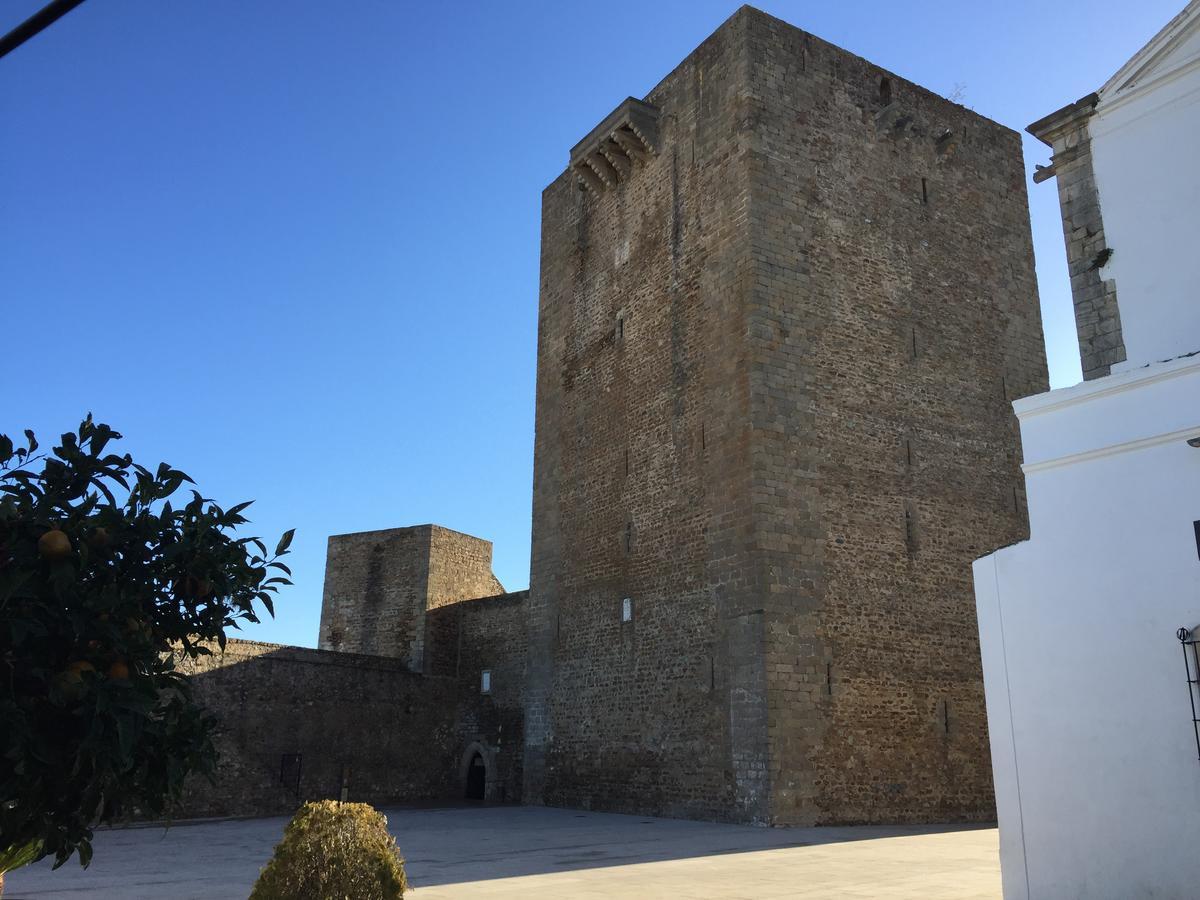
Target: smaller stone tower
[(379, 585)]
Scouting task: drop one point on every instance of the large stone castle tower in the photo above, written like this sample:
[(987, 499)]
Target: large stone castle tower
[(786, 301)]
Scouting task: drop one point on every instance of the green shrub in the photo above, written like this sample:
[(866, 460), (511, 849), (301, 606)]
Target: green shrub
[(334, 851), (109, 580)]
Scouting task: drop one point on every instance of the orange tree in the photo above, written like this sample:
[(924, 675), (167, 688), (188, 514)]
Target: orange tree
[(104, 584)]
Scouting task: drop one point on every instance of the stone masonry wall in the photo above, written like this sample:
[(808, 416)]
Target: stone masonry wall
[(379, 584), (1097, 315), (460, 567), (774, 368), (641, 477), (375, 593), (464, 640), (895, 318), (365, 728)]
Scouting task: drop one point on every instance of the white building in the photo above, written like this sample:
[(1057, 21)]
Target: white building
[(1094, 748)]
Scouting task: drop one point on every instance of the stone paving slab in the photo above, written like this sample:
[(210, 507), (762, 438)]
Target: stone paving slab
[(533, 853)]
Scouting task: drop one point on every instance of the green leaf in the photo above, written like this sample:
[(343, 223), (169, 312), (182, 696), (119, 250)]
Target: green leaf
[(157, 585), (285, 542)]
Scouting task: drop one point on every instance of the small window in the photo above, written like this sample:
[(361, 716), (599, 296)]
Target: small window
[(885, 91), (485, 681), (627, 609)]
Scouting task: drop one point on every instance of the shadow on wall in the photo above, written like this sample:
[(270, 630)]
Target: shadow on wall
[(299, 724)]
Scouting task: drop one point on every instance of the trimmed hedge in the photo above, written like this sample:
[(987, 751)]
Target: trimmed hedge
[(331, 851)]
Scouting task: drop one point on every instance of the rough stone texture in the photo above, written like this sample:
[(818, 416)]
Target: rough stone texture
[(464, 640), (379, 584), (368, 723), (399, 721), (775, 363), (1097, 316), (460, 567), (363, 723)]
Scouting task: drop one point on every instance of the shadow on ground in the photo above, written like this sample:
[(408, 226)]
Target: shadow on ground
[(444, 848), (451, 846)]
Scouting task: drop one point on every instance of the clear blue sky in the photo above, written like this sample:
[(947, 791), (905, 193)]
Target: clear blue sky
[(292, 247)]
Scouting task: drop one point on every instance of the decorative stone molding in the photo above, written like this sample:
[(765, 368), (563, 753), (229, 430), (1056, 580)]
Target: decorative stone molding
[(628, 136)]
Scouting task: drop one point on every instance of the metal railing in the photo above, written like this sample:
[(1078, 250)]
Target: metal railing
[(1191, 664)]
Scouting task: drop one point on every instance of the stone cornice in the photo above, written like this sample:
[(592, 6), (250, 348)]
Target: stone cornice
[(628, 136), (1049, 127)]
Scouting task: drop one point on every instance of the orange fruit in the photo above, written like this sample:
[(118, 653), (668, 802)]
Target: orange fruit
[(194, 586), (69, 684), (81, 665), (99, 538), (139, 628), (119, 671), (54, 545)]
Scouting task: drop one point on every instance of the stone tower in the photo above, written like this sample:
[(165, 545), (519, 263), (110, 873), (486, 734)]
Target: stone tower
[(786, 302), (380, 586)]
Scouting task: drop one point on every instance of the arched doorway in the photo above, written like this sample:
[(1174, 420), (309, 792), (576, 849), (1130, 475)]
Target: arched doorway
[(476, 777)]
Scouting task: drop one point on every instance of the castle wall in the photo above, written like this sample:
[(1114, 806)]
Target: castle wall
[(460, 568), (379, 584), (466, 639), (364, 724), (376, 584), (640, 477), (774, 368), (895, 317)]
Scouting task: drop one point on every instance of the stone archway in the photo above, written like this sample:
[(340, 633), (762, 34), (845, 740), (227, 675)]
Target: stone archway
[(477, 772)]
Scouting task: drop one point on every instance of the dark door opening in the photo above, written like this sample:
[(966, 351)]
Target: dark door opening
[(476, 778)]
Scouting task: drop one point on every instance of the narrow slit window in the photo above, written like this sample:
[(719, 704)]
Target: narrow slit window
[(627, 609), (485, 681), (911, 536), (885, 91)]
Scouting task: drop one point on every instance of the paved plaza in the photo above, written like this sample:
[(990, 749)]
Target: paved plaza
[(504, 853)]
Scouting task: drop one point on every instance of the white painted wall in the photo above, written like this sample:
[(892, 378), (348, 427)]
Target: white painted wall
[(1146, 156), (1093, 750)]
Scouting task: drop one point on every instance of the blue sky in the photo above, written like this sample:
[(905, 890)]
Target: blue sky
[(291, 247)]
